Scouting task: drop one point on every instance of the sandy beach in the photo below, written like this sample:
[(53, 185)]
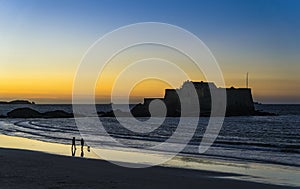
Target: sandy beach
[(24, 168), (31, 169)]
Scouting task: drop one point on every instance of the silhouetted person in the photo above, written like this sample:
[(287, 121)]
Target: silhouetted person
[(73, 148), (82, 144)]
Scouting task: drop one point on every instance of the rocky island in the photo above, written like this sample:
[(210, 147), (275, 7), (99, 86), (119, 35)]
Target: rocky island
[(17, 102), (30, 113), (239, 101)]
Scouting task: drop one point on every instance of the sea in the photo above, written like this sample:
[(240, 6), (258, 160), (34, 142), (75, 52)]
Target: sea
[(259, 139)]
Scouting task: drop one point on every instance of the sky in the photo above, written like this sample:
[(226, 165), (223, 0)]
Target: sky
[(43, 42)]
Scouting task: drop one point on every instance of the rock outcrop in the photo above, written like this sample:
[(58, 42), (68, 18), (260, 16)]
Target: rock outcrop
[(30, 113), (17, 102)]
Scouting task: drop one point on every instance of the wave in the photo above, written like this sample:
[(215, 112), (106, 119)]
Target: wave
[(259, 139), (229, 143)]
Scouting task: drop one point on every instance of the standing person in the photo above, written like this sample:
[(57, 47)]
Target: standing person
[(82, 144), (73, 148)]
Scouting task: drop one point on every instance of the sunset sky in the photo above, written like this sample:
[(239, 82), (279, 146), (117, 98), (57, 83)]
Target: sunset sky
[(43, 42)]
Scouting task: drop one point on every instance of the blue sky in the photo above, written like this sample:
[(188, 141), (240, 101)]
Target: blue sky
[(259, 36)]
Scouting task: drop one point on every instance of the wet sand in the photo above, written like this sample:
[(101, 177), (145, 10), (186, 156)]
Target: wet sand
[(26, 163), (32, 169)]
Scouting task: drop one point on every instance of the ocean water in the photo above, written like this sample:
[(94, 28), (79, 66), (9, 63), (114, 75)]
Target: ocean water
[(268, 139)]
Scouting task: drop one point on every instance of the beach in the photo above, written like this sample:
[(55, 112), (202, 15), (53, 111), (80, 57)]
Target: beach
[(43, 167), (32, 169)]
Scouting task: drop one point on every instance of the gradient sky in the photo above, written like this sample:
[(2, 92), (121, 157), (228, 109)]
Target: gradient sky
[(42, 42)]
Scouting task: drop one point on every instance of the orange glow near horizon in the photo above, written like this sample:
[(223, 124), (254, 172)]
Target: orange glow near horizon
[(62, 93), (54, 89), (48, 80)]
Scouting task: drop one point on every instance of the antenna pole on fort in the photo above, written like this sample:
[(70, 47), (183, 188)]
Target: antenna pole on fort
[(247, 80)]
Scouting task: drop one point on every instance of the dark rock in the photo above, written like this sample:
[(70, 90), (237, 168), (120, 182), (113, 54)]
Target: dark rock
[(30, 113), (260, 113), (115, 113), (24, 113), (20, 102), (57, 114), (141, 110), (17, 102), (101, 113)]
